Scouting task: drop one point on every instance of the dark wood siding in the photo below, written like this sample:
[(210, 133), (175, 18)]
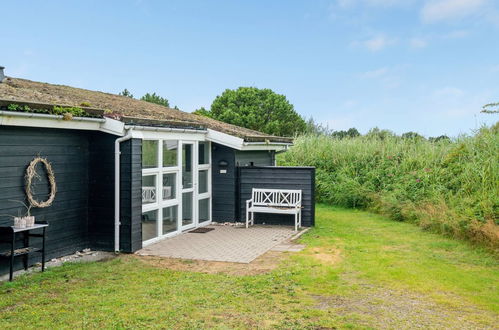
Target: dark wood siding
[(82, 215), (67, 151), (131, 195), (101, 191), (278, 178), (223, 184)]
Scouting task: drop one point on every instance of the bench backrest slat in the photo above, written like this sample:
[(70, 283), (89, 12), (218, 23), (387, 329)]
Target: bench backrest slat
[(276, 197)]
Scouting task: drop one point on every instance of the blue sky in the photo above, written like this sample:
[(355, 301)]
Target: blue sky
[(405, 65)]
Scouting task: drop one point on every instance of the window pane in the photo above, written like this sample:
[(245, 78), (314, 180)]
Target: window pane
[(203, 153), (187, 208), (149, 228), (187, 166), (170, 219), (203, 181), (170, 153), (149, 154), (169, 186), (204, 210), (149, 189)]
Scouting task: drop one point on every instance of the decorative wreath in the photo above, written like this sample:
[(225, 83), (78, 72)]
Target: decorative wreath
[(31, 173)]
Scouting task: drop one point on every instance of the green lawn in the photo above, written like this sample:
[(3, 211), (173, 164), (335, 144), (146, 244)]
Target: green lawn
[(359, 270)]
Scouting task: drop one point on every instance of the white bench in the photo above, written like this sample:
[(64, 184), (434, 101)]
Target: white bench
[(149, 194), (277, 201)]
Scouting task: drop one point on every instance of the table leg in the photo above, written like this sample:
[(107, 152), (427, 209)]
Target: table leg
[(26, 243), (11, 273), (43, 250)]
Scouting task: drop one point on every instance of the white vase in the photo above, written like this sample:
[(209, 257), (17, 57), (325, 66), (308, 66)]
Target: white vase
[(30, 221), (19, 222)]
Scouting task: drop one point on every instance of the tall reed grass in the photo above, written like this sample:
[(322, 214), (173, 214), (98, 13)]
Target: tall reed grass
[(451, 186)]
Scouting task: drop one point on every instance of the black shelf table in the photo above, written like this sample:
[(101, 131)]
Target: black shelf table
[(8, 235)]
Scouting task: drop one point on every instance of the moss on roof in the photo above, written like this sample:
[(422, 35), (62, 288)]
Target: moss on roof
[(23, 90)]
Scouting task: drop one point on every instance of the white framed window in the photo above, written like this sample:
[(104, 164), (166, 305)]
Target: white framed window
[(176, 186)]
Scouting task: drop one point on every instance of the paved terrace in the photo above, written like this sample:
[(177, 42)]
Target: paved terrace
[(224, 243)]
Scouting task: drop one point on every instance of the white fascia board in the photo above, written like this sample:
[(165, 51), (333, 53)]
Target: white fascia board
[(228, 140), (153, 135), (50, 122), (234, 142), (106, 125), (265, 146)]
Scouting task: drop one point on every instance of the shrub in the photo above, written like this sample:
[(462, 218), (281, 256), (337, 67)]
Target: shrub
[(450, 186)]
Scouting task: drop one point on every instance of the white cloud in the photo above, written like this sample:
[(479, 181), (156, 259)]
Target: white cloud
[(345, 3), (375, 73), (374, 44), (386, 77), (372, 3), (457, 34), (449, 92), (443, 10), (349, 103), (418, 43), (388, 3)]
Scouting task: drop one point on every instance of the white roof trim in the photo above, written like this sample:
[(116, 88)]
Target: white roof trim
[(116, 127), (237, 143), (11, 118), (265, 146), (225, 139)]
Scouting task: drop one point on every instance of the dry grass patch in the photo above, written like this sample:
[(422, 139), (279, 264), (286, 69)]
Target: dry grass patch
[(261, 265), (326, 255)]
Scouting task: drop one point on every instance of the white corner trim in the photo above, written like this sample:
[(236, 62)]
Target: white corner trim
[(112, 126), (224, 139)]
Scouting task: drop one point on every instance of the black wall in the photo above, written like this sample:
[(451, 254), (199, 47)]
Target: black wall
[(68, 153), (223, 184), (82, 215), (101, 191), (278, 178), (131, 196), (231, 190)]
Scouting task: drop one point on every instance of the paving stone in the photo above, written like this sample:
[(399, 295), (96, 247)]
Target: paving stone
[(224, 243)]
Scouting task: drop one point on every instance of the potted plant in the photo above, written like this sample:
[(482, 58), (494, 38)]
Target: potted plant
[(27, 220)]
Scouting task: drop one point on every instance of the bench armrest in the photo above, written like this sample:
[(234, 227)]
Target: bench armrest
[(248, 202)]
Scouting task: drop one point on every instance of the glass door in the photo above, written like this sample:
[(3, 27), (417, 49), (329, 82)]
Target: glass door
[(188, 185), (160, 192), (203, 184)]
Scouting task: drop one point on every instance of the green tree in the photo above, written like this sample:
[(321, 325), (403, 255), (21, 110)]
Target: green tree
[(126, 93), (439, 138), (491, 108), (380, 133), (259, 109), (413, 136), (202, 112), (154, 98)]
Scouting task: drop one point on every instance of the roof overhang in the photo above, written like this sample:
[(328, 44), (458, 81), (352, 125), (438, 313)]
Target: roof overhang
[(116, 127), (238, 143), (107, 125)]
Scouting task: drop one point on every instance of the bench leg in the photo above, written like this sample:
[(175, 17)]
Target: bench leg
[(252, 218), (247, 218), (296, 221)]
